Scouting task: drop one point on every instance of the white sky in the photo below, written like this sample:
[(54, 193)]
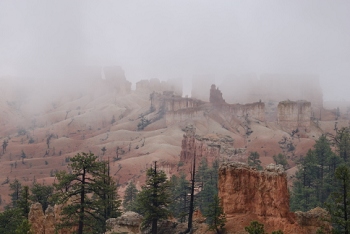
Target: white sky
[(178, 39)]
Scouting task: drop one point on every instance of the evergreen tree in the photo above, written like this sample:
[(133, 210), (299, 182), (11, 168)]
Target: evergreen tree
[(24, 201), (304, 195), (10, 220), (342, 141), (110, 203), (86, 189), (314, 179), (281, 159), (180, 188), (4, 146), (254, 161), (202, 173), (15, 187), (130, 197), (323, 152), (339, 202), (41, 194), (209, 179), (153, 199), (24, 228), (215, 215)]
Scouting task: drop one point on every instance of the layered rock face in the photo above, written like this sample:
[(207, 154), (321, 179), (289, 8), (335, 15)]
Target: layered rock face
[(294, 115), (248, 194)]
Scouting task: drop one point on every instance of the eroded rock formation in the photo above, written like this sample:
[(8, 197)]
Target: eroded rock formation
[(115, 77), (248, 194), (294, 115), (195, 146), (216, 95), (155, 85), (45, 223)]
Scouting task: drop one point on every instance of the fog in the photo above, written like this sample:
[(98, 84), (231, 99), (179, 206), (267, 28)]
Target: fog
[(178, 39)]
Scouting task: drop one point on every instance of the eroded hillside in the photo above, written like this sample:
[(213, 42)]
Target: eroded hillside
[(133, 128)]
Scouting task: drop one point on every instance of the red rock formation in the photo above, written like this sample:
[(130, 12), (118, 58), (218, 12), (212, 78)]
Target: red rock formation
[(248, 194)]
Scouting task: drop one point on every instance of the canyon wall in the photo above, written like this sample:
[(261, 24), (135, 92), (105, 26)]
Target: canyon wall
[(247, 194), (294, 115)]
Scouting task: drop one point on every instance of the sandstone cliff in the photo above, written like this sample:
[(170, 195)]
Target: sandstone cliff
[(294, 115), (248, 194)]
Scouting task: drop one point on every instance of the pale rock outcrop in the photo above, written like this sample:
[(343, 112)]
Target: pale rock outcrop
[(294, 115), (36, 218), (129, 222)]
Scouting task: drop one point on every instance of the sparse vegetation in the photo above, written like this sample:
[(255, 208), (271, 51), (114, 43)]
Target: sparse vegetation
[(255, 228), (103, 150), (254, 161), (21, 132), (281, 159), (4, 146), (144, 122), (113, 120)]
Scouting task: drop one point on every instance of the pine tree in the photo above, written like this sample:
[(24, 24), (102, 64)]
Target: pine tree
[(215, 215), (339, 204), (154, 198), (24, 201), (24, 228), (86, 189), (130, 197), (110, 202), (41, 194), (254, 161), (342, 141), (281, 159), (314, 179), (209, 186), (15, 187), (180, 189), (10, 220)]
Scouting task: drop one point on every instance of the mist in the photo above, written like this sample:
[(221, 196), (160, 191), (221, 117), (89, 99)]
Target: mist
[(41, 40)]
